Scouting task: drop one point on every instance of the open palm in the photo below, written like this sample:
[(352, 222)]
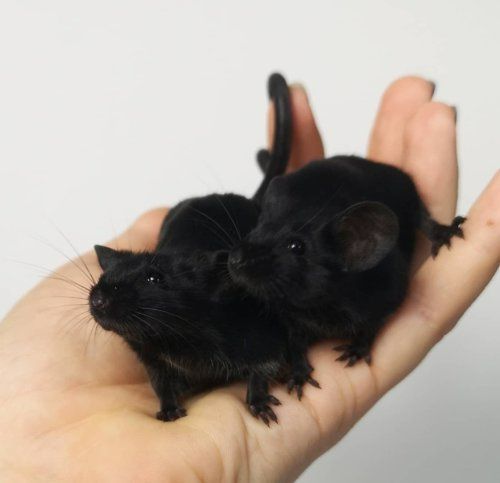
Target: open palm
[(76, 405)]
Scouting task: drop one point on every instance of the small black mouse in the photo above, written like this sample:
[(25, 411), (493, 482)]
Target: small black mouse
[(190, 328), (332, 249), (178, 309)]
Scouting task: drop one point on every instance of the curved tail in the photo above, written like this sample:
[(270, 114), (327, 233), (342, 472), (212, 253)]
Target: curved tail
[(274, 162)]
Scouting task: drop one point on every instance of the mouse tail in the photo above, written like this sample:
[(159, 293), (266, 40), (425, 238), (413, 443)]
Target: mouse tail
[(274, 162)]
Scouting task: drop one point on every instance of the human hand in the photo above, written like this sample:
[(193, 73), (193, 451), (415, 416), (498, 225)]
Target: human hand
[(76, 405)]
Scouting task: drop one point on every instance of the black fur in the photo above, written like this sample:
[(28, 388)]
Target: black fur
[(188, 324), (332, 249), (178, 309)]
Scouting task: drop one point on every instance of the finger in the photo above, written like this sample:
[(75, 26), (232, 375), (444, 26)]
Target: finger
[(430, 157), (441, 292), (306, 139), (143, 233), (399, 102)]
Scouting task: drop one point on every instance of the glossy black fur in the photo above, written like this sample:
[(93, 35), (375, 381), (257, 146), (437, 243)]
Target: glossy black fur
[(188, 324), (178, 308), (332, 249)]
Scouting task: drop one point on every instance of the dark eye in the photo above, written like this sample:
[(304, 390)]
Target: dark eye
[(296, 246), (116, 287), (153, 278)]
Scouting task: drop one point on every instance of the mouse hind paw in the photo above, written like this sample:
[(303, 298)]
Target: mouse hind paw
[(353, 353), (298, 379), (442, 234), (261, 408)]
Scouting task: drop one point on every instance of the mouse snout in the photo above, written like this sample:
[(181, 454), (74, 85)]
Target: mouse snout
[(250, 264), (236, 258), (247, 254), (98, 301)]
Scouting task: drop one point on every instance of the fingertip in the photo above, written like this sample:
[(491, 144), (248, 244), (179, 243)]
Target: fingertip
[(301, 109), (407, 90), (399, 103), (431, 157)]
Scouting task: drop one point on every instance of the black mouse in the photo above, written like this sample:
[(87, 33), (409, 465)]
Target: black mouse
[(190, 328), (177, 307), (332, 249)]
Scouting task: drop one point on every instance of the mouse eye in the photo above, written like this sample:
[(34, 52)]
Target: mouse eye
[(296, 246), (116, 287), (153, 278)]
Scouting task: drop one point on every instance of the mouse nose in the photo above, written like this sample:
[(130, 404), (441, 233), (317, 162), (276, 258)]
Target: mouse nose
[(236, 258), (246, 255), (98, 301)]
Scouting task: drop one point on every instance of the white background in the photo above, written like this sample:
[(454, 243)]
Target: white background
[(108, 108)]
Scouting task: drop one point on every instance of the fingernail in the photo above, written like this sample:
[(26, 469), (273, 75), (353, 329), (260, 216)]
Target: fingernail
[(455, 112), (300, 87), (433, 87)]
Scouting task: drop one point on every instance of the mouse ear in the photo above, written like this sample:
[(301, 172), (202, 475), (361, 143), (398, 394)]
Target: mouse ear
[(107, 256), (365, 233)]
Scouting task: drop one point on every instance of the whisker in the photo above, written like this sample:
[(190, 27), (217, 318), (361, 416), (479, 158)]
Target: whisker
[(215, 222), (48, 273), (322, 208), (92, 332), (85, 290), (82, 288), (219, 236), (53, 247), (76, 253), (172, 328), (75, 321), (68, 305), (66, 297), (167, 313), (137, 315), (229, 215)]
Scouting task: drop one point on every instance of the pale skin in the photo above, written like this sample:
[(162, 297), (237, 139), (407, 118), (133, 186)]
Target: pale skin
[(76, 408)]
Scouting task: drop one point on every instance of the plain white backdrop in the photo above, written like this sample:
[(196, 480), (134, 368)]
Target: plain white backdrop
[(108, 108)]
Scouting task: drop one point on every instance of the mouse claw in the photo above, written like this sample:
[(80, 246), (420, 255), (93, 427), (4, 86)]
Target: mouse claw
[(273, 416), (443, 234), (298, 380), (171, 414), (343, 357), (353, 353), (342, 347), (261, 410), (293, 386), (313, 382)]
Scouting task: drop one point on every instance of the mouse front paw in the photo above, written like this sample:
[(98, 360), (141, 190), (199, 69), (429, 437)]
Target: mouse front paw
[(353, 353), (261, 409), (171, 413), (299, 378), (442, 234)]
